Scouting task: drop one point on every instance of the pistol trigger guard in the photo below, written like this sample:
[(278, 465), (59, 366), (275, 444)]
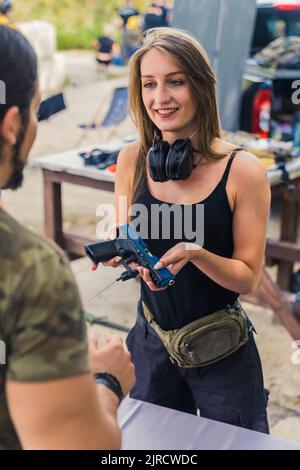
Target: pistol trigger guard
[(125, 264), (129, 273), (131, 258), (128, 259)]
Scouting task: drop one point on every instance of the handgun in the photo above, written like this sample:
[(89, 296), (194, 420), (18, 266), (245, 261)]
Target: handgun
[(130, 247)]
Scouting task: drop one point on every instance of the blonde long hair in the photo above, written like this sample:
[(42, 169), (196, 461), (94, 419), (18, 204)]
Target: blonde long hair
[(190, 56)]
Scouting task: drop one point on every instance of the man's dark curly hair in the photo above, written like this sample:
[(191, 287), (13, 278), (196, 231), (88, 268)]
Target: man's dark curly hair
[(18, 74)]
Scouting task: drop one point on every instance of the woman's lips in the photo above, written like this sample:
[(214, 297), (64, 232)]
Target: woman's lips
[(167, 113)]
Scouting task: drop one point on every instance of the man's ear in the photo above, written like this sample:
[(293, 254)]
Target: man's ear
[(10, 126)]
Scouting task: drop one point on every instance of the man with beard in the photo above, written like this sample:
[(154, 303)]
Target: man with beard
[(48, 399)]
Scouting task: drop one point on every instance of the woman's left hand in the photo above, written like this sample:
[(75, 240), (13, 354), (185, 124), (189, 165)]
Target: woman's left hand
[(174, 260)]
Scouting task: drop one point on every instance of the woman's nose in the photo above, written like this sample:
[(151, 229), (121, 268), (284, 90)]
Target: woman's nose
[(161, 96)]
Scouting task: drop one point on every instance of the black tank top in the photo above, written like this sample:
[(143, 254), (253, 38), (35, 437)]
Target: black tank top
[(194, 294)]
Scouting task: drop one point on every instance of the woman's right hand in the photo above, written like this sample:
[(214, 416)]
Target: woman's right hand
[(117, 260), (113, 263)]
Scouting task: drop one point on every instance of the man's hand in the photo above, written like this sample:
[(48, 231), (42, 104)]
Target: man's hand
[(115, 359)]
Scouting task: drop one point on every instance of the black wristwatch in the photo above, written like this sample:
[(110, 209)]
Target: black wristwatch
[(111, 382)]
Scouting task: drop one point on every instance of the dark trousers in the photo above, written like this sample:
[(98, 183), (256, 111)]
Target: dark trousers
[(230, 391)]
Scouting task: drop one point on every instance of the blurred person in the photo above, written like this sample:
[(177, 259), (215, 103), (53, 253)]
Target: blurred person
[(5, 11), (127, 11), (155, 17), (48, 398), (167, 10), (104, 51), (132, 37), (131, 30)]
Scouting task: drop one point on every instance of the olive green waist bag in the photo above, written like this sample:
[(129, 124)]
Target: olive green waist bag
[(207, 340)]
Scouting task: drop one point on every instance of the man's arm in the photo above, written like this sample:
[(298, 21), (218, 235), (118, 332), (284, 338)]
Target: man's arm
[(50, 392), (64, 414)]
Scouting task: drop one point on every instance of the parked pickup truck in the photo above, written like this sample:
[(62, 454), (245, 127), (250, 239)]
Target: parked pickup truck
[(271, 88)]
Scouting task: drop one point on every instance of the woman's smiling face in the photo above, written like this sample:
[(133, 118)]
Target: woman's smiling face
[(167, 95)]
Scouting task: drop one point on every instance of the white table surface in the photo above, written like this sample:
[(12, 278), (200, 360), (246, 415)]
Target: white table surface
[(150, 427), (72, 163)]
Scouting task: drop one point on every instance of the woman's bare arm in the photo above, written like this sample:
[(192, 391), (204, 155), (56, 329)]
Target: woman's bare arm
[(127, 161), (251, 212)]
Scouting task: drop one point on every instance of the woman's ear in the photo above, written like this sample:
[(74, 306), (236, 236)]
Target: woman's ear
[(10, 126)]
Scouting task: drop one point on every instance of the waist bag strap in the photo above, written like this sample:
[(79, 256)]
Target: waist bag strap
[(167, 336)]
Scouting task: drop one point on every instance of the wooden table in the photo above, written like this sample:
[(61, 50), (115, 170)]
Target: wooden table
[(283, 253), (68, 167)]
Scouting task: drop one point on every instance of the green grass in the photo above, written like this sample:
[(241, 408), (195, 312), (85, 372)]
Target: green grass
[(80, 39), (78, 22)]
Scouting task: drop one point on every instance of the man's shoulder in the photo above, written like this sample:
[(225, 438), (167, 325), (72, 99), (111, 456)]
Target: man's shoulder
[(22, 247)]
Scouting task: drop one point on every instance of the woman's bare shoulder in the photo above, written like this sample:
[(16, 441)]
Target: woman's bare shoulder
[(246, 164), (126, 166), (249, 177), (247, 173), (129, 153)]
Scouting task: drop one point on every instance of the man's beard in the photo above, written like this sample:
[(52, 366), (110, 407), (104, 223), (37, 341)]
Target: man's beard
[(16, 179), (17, 176)]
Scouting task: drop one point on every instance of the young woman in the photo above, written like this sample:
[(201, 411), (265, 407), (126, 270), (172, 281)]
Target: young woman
[(173, 97)]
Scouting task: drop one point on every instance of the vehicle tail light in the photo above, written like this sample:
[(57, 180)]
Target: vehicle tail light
[(287, 7), (261, 112)]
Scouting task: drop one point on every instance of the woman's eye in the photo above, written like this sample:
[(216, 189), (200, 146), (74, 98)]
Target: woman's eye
[(148, 85), (176, 82)]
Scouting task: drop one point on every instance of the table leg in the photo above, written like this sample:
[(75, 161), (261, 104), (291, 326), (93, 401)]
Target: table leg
[(268, 294), (53, 210), (289, 232)]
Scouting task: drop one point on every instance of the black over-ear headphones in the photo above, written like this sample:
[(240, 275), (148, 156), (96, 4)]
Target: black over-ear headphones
[(171, 162)]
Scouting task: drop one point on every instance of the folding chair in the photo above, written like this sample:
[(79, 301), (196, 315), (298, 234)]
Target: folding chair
[(117, 112)]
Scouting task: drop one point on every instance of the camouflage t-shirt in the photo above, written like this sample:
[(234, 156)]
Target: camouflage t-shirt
[(42, 327)]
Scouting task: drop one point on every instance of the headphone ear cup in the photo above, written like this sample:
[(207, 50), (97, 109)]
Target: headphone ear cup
[(180, 162), (156, 158), (174, 158), (186, 160), (169, 163)]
